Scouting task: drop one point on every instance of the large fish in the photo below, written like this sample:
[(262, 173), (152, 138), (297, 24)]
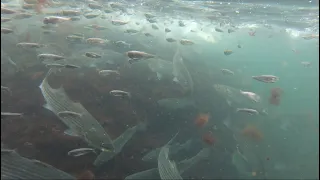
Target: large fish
[(85, 125), (181, 73), (182, 166), (167, 168), (14, 166)]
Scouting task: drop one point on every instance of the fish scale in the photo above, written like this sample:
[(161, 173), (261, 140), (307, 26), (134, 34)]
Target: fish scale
[(58, 101), (14, 166), (167, 169)]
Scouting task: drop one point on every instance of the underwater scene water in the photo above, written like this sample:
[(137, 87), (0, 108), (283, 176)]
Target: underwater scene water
[(159, 89)]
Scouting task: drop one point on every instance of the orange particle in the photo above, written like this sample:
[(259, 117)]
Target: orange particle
[(252, 133), (208, 138), (202, 119), (254, 173)]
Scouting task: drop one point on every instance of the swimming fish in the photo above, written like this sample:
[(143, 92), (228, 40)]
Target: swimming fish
[(80, 152), (227, 72), (64, 114), (108, 72), (266, 78), (11, 114), (138, 55), (54, 57), (247, 110), (55, 19), (71, 66), (253, 96), (6, 30), (120, 93), (167, 168), (29, 45), (119, 22), (186, 42), (92, 55)]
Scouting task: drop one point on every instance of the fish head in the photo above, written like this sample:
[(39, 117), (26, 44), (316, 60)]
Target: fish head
[(46, 20), (40, 57)]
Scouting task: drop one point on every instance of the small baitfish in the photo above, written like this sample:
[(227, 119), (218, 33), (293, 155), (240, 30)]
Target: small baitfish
[(80, 152)]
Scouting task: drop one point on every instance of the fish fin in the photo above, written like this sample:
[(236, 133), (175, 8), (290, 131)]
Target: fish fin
[(47, 106)]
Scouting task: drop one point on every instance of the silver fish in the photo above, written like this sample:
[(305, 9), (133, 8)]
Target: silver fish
[(108, 72), (22, 16), (253, 96), (64, 114), (227, 72), (54, 65), (29, 45), (71, 66), (266, 78), (92, 55), (5, 19), (247, 110), (122, 44), (131, 31), (186, 42), (120, 93), (119, 22), (11, 114), (95, 6), (7, 11), (96, 41), (170, 40), (53, 57), (70, 13), (138, 55), (91, 15), (80, 151), (75, 38), (6, 31), (55, 19)]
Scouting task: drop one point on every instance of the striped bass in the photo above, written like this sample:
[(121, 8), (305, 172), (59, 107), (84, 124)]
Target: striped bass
[(85, 125), (14, 166)]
